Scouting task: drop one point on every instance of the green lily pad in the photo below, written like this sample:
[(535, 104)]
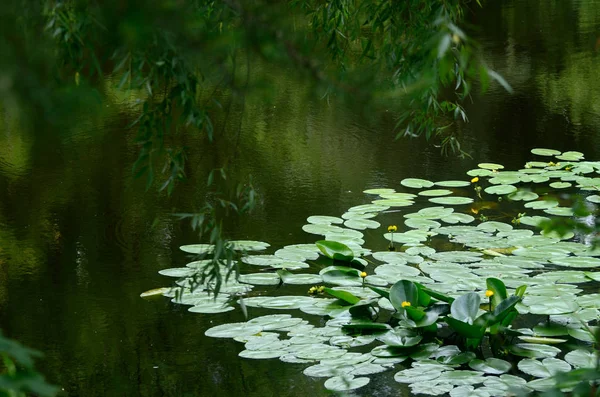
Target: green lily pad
[(457, 218), (491, 365), (545, 368), (541, 204), (479, 172), (178, 272), (361, 224), (533, 350), (453, 183), (451, 200), (500, 189), (249, 245), (560, 211), (523, 195), (416, 183), (593, 199), (197, 248), (435, 192), (421, 223), (582, 358), (490, 166), (345, 383), (232, 330), (323, 220), (560, 185), (260, 278), (533, 220), (379, 191), (545, 152)]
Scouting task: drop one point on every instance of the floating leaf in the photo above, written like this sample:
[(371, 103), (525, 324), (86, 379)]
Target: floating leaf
[(491, 366), (435, 192), (490, 166), (500, 189), (582, 358), (323, 220), (453, 183), (543, 369), (361, 224), (232, 330), (416, 183), (335, 250), (345, 383), (533, 350), (560, 185), (451, 200), (545, 152)]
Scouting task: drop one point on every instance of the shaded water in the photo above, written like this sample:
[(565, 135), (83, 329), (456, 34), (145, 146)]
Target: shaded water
[(80, 239)]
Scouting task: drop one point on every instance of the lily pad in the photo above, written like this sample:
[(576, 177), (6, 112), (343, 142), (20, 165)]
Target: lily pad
[(491, 365), (501, 189), (543, 369), (582, 358), (345, 383), (560, 185), (545, 152), (451, 200), (323, 220), (435, 192), (416, 183), (453, 183), (490, 166), (533, 350), (232, 330)]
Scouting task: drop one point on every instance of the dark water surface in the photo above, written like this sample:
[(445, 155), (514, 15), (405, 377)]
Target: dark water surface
[(80, 239)]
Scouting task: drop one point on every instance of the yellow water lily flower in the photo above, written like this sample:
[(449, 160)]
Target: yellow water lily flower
[(392, 228), (489, 293), (405, 304), (363, 274), (475, 180)]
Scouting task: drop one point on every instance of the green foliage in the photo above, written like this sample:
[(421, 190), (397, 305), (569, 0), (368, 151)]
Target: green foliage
[(19, 376)]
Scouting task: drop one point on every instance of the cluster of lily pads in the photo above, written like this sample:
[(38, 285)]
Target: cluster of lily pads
[(445, 305)]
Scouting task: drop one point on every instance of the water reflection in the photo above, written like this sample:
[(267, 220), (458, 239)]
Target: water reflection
[(80, 239)]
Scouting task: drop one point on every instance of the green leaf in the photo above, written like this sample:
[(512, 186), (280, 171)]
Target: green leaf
[(465, 329), (343, 295), (498, 288), (404, 291), (400, 338), (465, 307), (335, 250)]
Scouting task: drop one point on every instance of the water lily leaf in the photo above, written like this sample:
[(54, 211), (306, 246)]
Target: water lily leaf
[(379, 191), (363, 208), (453, 183), (498, 288), (542, 340), (155, 292), (593, 275), (393, 272), (533, 220), (533, 350), (593, 198), (549, 305), (299, 279), (570, 156), (541, 204), (523, 195), (543, 369), (462, 377), (345, 383), (416, 183), (413, 375), (394, 202), (178, 272), (583, 334), (321, 229), (431, 388), (197, 248), (232, 330), (435, 192), (335, 250), (362, 224), (457, 218), (559, 211), (341, 275), (500, 189), (479, 172), (359, 215), (582, 358), (343, 295), (280, 302), (491, 365), (545, 152), (249, 245), (560, 185), (361, 325), (470, 391), (404, 291), (260, 278), (385, 351), (505, 383), (490, 166), (465, 307), (451, 200), (323, 219), (420, 223), (577, 261), (400, 338)]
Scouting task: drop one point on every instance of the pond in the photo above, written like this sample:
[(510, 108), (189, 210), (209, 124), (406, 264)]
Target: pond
[(81, 239)]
